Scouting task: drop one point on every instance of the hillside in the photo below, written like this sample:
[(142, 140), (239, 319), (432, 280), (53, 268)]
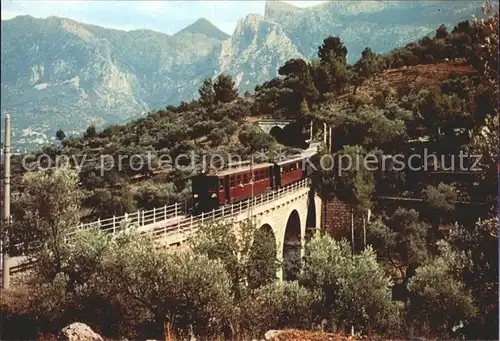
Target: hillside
[(415, 77), (229, 129), (58, 73)]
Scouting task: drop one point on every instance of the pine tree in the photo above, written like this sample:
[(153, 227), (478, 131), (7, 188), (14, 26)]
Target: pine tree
[(367, 66), (60, 135), (207, 93), (441, 32), (300, 80), (333, 57), (321, 76), (332, 48), (225, 89), (90, 132)]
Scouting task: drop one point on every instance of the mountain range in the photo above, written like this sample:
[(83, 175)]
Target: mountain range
[(59, 73)]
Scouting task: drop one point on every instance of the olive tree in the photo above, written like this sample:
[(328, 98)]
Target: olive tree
[(278, 306), (47, 210), (355, 291), (116, 283), (439, 300), (248, 254)]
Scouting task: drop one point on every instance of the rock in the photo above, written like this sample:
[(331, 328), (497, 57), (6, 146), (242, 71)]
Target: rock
[(78, 332), (271, 334)]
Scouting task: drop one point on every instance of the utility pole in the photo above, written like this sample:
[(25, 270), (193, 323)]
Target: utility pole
[(324, 133), (364, 233), (366, 221), (6, 204), (311, 133), (352, 230), (330, 139)]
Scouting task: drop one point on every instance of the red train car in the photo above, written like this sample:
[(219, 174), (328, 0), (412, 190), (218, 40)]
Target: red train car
[(233, 184), (289, 171)]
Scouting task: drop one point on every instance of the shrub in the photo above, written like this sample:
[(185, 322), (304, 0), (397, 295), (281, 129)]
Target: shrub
[(355, 291), (254, 139), (278, 306), (117, 283), (439, 301), (149, 197), (248, 254)]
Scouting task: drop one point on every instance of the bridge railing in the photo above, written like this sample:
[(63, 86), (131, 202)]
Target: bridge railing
[(171, 219), (153, 222), (188, 225), (139, 218), (174, 216)]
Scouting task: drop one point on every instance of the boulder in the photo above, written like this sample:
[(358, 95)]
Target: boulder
[(271, 334), (78, 332)]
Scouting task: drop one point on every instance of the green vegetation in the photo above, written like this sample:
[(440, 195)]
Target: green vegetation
[(438, 301), (367, 66), (324, 90), (60, 135), (125, 281), (354, 289), (47, 210), (248, 263)]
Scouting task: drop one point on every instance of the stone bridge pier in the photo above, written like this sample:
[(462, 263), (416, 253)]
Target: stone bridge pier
[(292, 220)]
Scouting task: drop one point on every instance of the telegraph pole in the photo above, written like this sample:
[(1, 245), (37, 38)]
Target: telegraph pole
[(324, 133), (330, 139), (352, 229), (311, 132), (6, 204), (364, 233)]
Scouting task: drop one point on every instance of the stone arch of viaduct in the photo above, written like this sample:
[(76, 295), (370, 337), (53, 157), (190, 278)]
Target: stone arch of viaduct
[(291, 219)]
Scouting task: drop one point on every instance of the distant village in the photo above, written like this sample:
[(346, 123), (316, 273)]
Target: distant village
[(29, 139)]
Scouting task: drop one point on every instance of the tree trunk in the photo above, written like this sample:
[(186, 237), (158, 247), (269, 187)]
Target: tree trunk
[(160, 322)]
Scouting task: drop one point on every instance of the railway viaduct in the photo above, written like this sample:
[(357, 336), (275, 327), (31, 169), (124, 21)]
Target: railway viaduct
[(289, 214), (292, 220)]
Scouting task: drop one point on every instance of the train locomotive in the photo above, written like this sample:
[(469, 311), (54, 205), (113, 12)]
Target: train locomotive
[(210, 191)]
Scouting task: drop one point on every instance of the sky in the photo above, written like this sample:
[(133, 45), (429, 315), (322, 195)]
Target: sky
[(163, 16)]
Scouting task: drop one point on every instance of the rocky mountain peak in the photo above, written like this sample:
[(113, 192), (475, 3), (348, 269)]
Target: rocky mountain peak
[(255, 51), (205, 27), (277, 5), (256, 29), (77, 29), (250, 21)]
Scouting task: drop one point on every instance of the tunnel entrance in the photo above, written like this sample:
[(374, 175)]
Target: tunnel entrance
[(292, 248), (277, 133)]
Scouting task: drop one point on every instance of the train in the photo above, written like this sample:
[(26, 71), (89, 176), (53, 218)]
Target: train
[(210, 191)]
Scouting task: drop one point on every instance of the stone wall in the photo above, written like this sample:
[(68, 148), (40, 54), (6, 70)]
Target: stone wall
[(336, 220)]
